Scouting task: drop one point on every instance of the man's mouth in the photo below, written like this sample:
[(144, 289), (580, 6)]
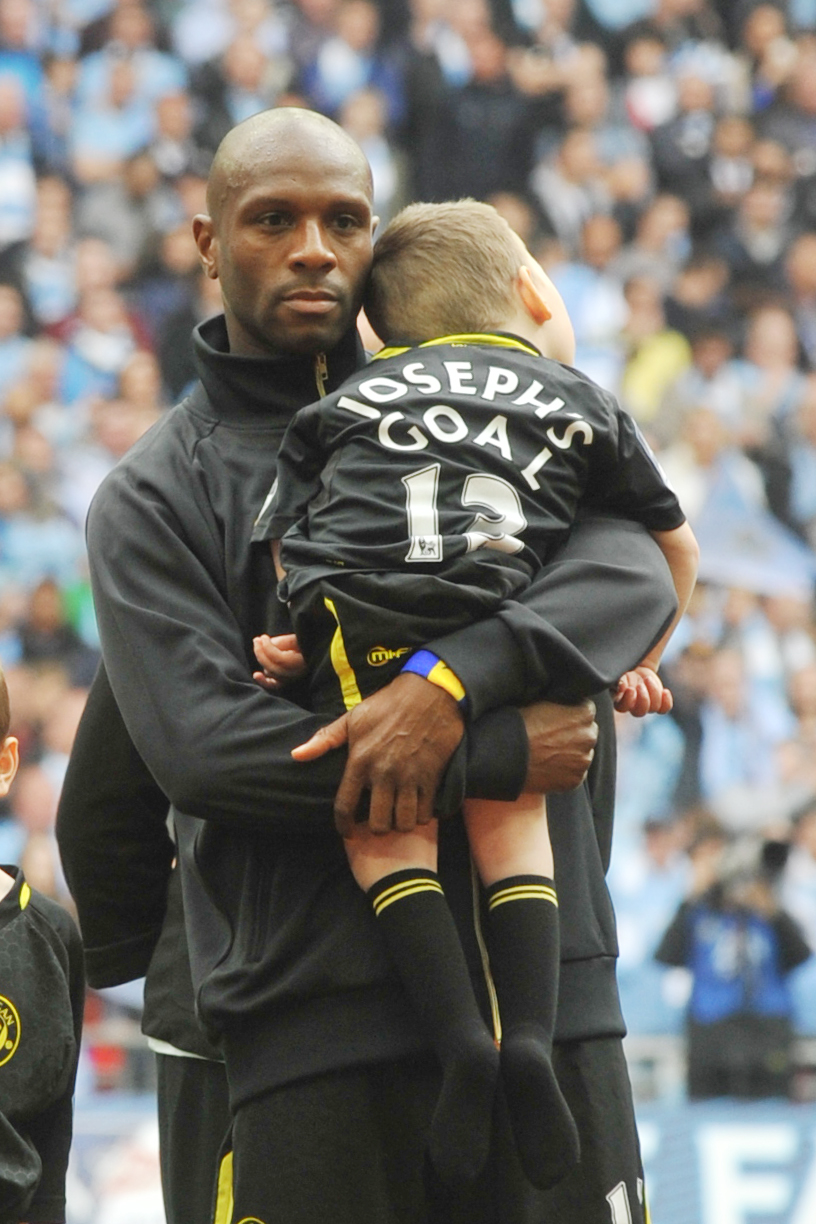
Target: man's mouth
[(310, 301)]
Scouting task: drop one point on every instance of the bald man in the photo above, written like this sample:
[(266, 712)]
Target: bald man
[(331, 1085)]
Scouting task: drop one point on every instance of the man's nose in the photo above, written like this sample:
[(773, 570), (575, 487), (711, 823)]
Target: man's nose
[(312, 248)]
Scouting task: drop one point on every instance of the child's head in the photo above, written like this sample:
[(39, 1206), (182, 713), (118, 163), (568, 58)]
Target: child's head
[(455, 268), (8, 744)]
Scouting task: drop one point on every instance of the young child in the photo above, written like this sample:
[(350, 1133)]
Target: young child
[(42, 990), (425, 494)]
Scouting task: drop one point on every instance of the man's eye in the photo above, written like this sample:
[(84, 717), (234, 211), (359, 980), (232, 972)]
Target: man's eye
[(346, 221), (275, 220)]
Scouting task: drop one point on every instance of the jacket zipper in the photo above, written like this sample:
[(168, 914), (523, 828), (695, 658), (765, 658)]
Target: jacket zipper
[(491, 986), (321, 373)]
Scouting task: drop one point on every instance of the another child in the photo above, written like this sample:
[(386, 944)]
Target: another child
[(42, 989), (423, 495)]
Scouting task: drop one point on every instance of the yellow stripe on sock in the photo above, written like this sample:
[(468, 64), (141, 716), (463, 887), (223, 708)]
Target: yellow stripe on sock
[(223, 1196), (408, 888), (524, 892), (340, 662)]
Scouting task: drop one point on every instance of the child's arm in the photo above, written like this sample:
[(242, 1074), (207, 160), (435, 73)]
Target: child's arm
[(682, 553), (641, 691)]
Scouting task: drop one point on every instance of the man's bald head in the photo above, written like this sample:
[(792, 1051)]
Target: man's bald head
[(261, 142), (289, 232)]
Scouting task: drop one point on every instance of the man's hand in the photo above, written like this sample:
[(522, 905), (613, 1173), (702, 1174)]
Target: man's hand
[(400, 741), (562, 745), (640, 692)]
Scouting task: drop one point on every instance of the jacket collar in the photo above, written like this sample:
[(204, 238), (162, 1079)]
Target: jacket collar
[(266, 389)]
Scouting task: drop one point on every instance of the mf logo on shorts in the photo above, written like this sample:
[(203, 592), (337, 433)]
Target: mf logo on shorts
[(250, 1220), (9, 1030), (378, 655)]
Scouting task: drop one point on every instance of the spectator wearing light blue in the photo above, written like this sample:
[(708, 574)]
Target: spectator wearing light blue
[(131, 37), (17, 181)]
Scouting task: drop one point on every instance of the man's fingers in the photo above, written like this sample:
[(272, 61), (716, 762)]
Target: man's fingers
[(562, 745), (380, 813), (335, 735), (405, 812), (347, 800)]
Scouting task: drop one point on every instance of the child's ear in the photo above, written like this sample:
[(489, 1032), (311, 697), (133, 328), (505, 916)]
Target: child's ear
[(532, 297), (9, 760)]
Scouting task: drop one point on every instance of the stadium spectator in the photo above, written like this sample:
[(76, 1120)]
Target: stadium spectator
[(656, 354), (741, 948)]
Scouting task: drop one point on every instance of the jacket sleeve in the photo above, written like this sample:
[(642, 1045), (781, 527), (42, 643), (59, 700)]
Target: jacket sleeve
[(588, 616), (216, 744), (114, 843)]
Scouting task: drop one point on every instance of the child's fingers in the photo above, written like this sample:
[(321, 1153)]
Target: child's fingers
[(625, 694), (283, 641), (267, 682), (636, 699), (278, 658)]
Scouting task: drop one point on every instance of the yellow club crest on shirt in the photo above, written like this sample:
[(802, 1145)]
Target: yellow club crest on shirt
[(9, 1029)]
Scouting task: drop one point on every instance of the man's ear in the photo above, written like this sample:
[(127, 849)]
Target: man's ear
[(532, 297), (207, 243), (9, 760), (375, 221)]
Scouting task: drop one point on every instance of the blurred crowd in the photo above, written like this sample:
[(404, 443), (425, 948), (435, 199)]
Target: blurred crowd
[(659, 159)]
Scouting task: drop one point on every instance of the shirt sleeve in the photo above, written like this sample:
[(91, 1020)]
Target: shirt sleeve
[(629, 481)]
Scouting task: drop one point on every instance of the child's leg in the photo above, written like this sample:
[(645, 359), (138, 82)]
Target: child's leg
[(510, 844), (398, 873)]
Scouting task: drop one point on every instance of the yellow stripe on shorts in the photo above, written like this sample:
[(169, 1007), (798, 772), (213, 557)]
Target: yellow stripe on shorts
[(340, 662), (223, 1196)]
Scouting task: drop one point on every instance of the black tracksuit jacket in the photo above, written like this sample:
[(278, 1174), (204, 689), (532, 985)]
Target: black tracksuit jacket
[(288, 969)]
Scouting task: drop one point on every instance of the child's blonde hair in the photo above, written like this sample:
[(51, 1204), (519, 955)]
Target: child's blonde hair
[(443, 269)]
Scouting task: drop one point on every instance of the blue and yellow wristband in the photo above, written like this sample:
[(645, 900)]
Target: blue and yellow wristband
[(428, 665)]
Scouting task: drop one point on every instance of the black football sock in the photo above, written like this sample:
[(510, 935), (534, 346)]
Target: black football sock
[(424, 945), (523, 943)]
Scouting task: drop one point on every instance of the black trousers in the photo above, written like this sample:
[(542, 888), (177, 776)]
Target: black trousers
[(350, 1148), (194, 1120)]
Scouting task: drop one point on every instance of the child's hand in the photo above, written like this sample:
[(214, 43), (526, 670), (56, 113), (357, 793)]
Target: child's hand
[(640, 692), (280, 659)]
